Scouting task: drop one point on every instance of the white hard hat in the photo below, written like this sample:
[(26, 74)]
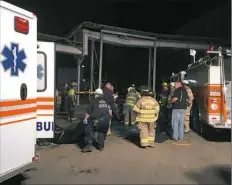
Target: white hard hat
[(192, 81), (183, 72), (98, 91), (185, 82), (73, 84), (172, 84)]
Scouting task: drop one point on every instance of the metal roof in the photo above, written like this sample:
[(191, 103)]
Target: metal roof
[(97, 27), (63, 45)]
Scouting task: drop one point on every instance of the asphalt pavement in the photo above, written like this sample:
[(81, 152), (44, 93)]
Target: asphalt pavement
[(193, 161)]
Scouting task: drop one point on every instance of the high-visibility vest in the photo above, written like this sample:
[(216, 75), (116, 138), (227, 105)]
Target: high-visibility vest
[(71, 92), (131, 99)]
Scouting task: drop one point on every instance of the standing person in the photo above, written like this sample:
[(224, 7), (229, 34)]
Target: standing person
[(137, 93), (108, 96), (56, 97), (147, 109), (179, 106), (164, 107), (115, 96), (96, 121), (112, 88), (189, 106), (119, 104), (64, 93), (72, 102), (131, 99), (169, 107), (115, 101)]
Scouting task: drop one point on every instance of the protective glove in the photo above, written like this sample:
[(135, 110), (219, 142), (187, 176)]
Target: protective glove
[(85, 121)]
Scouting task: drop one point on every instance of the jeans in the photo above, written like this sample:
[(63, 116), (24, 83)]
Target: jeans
[(178, 123)]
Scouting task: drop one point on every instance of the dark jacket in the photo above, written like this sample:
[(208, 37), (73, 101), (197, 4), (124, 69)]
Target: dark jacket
[(98, 108), (108, 96), (182, 96)]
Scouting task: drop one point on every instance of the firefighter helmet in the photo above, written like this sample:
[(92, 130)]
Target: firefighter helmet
[(143, 88), (145, 91), (164, 84)]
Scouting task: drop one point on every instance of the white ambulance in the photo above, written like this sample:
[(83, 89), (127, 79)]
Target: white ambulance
[(26, 90)]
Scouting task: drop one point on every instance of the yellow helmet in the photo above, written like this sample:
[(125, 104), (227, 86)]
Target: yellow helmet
[(164, 84)]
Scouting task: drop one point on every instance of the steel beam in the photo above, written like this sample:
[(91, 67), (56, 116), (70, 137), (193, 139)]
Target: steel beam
[(62, 48), (100, 61), (91, 66), (149, 68), (154, 66), (78, 79), (128, 41), (128, 35)]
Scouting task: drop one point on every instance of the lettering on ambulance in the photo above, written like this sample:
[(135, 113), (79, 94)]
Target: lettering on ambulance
[(45, 126)]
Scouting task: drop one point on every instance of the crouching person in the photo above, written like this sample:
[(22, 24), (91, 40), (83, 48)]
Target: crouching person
[(96, 122)]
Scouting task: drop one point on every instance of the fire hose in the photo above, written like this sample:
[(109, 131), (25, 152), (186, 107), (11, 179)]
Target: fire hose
[(188, 142)]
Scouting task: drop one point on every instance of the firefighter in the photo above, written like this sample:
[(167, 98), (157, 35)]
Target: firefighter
[(131, 99), (172, 88), (137, 93), (164, 94), (147, 109), (171, 92), (189, 106), (64, 93), (96, 121), (72, 102), (164, 103)]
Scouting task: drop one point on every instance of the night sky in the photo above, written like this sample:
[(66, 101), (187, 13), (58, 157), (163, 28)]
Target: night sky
[(122, 66)]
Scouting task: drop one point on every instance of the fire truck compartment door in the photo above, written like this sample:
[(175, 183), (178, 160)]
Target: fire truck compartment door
[(45, 89)]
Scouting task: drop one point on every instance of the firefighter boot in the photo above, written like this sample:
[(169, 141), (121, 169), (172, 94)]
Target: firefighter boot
[(127, 132), (88, 148)]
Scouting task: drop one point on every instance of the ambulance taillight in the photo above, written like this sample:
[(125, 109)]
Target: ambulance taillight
[(36, 158), (21, 25)]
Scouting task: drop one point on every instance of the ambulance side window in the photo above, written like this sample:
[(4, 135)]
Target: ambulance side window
[(41, 72)]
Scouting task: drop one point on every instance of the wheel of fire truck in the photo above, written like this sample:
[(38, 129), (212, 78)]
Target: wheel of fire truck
[(195, 123)]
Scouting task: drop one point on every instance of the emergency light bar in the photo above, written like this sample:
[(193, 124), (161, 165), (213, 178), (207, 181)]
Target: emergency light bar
[(21, 25)]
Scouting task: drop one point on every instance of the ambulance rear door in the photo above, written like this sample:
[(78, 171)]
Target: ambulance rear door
[(18, 97), (45, 89)]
